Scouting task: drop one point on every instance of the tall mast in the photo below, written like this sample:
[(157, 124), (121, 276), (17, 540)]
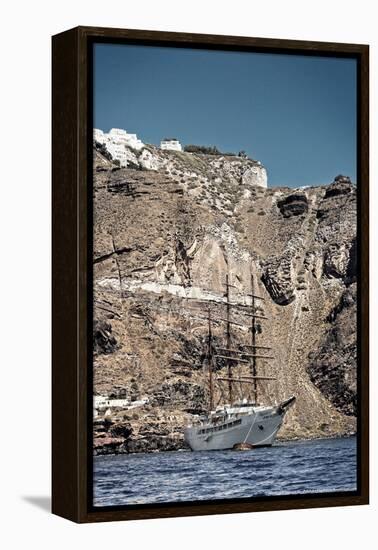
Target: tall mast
[(237, 355), (210, 362), (230, 396), (253, 337)]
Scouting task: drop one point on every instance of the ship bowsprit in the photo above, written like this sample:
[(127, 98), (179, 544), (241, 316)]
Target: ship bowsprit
[(285, 405)]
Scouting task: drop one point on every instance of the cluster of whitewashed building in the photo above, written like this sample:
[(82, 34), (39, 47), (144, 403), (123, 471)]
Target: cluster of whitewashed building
[(117, 140), (104, 405)]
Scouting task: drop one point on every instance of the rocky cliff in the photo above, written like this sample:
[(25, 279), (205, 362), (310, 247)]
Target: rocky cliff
[(167, 230)]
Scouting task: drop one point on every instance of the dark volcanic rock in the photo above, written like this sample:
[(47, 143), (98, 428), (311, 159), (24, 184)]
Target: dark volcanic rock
[(336, 261), (335, 197), (352, 265), (149, 440), (278, 280), (103, 340), (189, 396), (107, 445), (154, 443), (293, 205), (121, 430), (333, 367), (340, 186)]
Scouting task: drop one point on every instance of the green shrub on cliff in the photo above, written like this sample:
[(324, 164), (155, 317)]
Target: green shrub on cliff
[(205, 150)]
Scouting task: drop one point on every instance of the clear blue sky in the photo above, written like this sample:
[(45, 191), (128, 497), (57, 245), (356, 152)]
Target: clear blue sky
[(296, 114)]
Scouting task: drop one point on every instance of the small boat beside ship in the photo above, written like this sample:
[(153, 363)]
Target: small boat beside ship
[(238, 421)]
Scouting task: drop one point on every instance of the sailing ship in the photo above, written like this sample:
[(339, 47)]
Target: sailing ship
[(238, 420)]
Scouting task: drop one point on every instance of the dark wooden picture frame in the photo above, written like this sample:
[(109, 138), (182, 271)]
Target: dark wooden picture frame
[(72, 270)]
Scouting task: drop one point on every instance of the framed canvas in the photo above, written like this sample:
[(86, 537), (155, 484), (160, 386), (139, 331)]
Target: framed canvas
[(210, 274)]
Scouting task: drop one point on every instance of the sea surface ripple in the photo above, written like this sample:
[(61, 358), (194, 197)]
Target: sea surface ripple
[(287, 468)]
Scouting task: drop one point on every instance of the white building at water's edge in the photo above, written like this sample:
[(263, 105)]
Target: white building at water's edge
[(102, 404)]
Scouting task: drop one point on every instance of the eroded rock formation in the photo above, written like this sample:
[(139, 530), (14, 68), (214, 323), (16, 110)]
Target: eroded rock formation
[(166, 233)]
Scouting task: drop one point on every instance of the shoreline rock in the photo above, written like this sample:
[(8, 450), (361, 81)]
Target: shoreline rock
[(141, 447)]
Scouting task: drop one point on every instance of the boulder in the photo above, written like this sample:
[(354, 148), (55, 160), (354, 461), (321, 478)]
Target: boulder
[(293, 205), (103, 340), (340, 186)]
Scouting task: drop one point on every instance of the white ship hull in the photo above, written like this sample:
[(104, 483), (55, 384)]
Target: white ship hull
[(254, 425)]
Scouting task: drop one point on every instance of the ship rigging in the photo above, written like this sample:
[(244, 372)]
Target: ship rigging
[(233, 421)]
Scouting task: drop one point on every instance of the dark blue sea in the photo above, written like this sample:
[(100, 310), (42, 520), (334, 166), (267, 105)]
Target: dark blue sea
[(290, 468)]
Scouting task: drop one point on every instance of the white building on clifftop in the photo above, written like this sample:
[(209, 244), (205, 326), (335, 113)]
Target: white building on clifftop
[(170, 144), (116, 141)]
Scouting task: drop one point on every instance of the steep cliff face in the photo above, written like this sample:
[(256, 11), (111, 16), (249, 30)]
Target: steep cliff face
[(166, 233)]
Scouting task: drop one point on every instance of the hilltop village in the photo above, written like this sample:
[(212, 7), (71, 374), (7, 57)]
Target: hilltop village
[(117, 141), (120, 145)]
